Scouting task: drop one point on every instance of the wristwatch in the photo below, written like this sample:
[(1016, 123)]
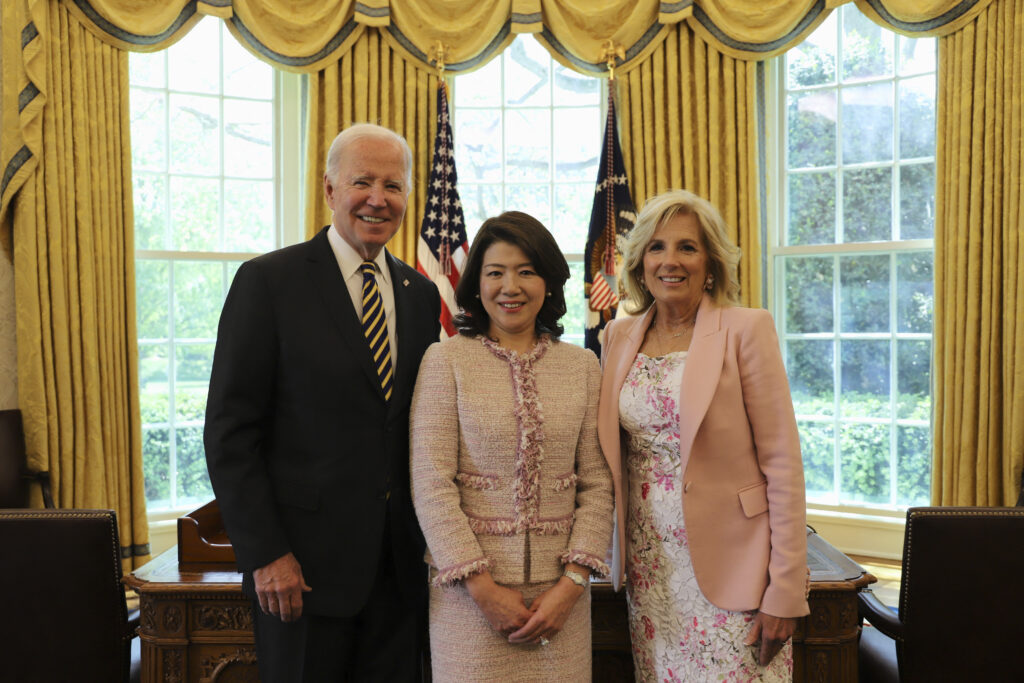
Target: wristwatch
[(576, 577)]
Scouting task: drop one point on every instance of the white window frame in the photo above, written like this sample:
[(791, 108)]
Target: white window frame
[(867, 530)]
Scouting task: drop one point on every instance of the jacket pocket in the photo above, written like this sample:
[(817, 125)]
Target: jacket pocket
[(298, 495), (754, 498)]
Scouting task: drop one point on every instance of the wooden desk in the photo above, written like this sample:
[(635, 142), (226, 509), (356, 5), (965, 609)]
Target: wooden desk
[(196, 625)]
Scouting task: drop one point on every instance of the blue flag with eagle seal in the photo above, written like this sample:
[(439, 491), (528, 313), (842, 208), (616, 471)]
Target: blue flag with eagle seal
[(611, 219)]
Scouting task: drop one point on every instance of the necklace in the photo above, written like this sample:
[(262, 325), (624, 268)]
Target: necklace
[(686, 326)]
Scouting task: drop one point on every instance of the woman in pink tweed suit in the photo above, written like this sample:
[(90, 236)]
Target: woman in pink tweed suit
[(698, 426), (510, 487)]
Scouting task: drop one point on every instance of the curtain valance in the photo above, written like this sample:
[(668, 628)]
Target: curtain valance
[(306, 35)]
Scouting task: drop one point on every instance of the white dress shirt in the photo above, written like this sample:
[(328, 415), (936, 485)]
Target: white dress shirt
[(349, 261)]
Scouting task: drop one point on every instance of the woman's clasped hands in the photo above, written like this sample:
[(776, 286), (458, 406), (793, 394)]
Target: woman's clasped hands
[(507, 613)]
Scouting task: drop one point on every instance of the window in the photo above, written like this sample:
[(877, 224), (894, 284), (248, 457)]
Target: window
[(528, 136), (852, 260), (206, 173)]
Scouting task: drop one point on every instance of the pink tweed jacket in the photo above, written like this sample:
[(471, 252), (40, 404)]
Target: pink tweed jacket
[(506, 470), (743, 492)]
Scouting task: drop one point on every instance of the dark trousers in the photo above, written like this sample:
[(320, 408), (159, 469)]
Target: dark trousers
[(383, 642)]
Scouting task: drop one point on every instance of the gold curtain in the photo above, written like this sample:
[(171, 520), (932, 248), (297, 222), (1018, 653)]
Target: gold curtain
[(74, 276), (978, 417), (372, 83), (689, 121)]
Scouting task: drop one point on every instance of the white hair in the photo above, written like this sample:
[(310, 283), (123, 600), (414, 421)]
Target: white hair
[(362, 131)]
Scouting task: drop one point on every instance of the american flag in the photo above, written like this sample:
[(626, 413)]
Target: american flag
[(611, 219), (442, 247)]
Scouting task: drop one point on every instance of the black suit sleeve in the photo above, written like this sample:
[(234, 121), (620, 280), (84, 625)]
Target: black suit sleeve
[(238, 417)]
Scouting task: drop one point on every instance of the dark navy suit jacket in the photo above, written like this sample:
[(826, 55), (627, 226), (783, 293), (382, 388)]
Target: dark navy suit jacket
[(304, 453)]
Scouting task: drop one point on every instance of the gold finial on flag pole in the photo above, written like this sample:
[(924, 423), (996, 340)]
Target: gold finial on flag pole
[(438, 55), (609, 53)]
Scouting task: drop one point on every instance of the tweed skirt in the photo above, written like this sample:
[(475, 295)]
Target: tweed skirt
[(465, 649)]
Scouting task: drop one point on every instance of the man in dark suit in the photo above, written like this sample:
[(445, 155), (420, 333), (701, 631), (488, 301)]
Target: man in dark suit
[(307, 430)]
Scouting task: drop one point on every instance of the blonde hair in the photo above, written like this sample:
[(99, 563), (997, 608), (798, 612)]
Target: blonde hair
[(723, 255)]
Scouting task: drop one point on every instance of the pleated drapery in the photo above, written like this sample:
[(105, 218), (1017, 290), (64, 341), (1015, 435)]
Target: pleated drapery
[(372, 83), (979, 262), (74, 259)]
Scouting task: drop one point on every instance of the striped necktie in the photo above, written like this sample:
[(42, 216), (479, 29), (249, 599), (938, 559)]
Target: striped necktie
[(375, 327)]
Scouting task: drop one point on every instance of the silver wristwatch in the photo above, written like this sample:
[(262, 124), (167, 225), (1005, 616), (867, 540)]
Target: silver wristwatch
[(576, 577)]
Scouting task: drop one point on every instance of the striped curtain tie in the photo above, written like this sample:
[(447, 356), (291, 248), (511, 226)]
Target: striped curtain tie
[(375, 327)]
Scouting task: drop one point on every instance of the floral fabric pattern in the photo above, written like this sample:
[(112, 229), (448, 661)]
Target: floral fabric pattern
[(677, 634)]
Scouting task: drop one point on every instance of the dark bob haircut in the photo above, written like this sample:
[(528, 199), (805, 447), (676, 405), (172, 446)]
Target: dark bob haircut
[(526, 232)]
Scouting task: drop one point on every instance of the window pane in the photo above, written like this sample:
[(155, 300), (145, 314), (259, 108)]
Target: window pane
[(247, 139), (817, 445), (527, 145), (152, 280), (867, 47), (809, 366), (192, 365), (147, 69), (198, 297), (479, 202), (574, 321), (150, 199), (813, 62), (527, 75), (157, 465), (867, 205), (917, 117), (154, 369), (808, 295), (917, 201), (194, 61), (812, 208), (867, 123), (917, 55), (573, 88), (195, 134), (864, 468), (193, 479), (476, 89), (531, 199), (573, 202), (249, 215), (195, 213), (865, 378), (913, 379), (915, 292), (812, 129), (913, 477), (244, 75), (149, 130), (478, 146), (576, 156), (864, 293)]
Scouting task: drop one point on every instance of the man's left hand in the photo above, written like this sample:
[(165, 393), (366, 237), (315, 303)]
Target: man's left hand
[(772, 632)]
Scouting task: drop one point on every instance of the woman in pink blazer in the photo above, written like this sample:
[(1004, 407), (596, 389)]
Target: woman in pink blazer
[(697, 424)]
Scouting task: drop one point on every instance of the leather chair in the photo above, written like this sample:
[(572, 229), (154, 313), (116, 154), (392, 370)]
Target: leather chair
[(15, 476), (961, 595), (64, 613)]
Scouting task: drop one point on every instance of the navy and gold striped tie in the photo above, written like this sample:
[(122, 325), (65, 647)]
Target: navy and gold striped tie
[(375, 327)]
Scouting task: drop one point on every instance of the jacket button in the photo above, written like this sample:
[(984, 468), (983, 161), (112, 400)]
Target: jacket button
[(686, 488)]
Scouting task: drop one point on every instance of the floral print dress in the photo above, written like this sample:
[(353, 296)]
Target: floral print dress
[(677, 634)]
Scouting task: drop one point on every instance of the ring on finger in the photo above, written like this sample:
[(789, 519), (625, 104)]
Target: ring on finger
[(544, 641)]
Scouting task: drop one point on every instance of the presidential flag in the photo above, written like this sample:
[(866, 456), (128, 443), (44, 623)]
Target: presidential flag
[(611, 219), (442, 246)]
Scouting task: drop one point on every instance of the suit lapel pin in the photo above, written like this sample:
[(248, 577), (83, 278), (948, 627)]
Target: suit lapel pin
[(405, 282)]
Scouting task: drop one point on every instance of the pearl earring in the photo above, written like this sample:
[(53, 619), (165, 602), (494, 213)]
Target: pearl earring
[(709, 282)]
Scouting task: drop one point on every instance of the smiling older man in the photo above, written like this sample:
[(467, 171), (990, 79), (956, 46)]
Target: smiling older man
[(307, 430)]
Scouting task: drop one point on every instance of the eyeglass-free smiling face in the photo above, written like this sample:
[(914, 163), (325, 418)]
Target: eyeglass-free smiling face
[(676, 263), (511, 291)]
